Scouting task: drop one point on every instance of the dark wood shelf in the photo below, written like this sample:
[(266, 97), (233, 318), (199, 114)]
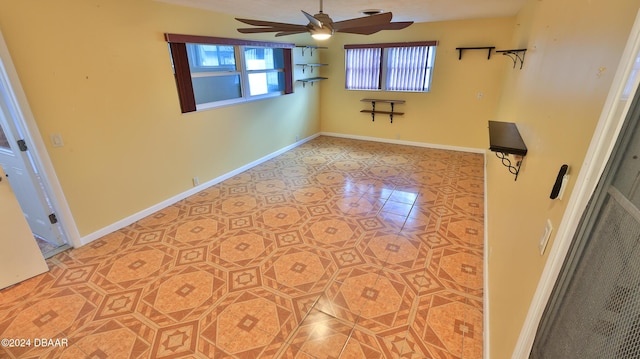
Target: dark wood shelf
[(505, 140), (504, 137), (310, 48), (304, 66), (311, 80), (382, 112), (373, 110), (488, 48)]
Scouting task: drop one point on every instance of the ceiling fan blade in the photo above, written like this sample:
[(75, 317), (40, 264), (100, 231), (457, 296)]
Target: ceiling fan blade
[(377, 19), (256, 30), (317, 23), (399, 25), (267, 23), (285, 33), (368, 30)]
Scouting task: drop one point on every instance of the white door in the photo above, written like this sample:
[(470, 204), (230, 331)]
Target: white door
[(25, 182), (20, 257)]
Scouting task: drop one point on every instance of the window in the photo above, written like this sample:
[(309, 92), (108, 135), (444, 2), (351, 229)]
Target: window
[(265, 70), (390, 67), (212, 72)]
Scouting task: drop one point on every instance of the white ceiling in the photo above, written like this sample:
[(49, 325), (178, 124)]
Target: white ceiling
[(403, 10)]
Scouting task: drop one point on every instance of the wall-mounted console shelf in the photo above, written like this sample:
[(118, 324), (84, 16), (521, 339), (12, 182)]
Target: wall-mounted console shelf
[(505, 140), (311, 80), (488, 48), (310, 48), (515, 55), (311, 66), (373, 110)]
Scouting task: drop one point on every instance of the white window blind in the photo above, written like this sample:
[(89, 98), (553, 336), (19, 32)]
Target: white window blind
[(407, 68), (390, 67), (363, 69)]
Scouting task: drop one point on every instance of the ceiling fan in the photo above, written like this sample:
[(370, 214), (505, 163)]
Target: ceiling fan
[(322, 27)]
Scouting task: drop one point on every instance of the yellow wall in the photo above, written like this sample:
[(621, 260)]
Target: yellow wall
[(451, 114), (98, 72), (574, 47)]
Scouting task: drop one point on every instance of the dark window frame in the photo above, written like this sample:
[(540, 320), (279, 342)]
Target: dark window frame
[(180, 60)]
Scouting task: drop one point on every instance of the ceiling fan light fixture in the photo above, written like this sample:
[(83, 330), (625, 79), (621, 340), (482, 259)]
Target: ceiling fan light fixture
[(322, 33), (321, 36)]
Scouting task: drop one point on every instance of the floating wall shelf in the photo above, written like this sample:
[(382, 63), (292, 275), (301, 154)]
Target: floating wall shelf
[(373, 110), (515, 55), (488, 48), (505, 140), (311, 66), (310, 48), (311, 80)]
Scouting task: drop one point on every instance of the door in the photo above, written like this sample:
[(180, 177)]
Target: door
[(26, 186), (22, 175), (594, 310), (20, 257)]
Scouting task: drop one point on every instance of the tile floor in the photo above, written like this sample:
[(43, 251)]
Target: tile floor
[(45, 247), (336, 249)]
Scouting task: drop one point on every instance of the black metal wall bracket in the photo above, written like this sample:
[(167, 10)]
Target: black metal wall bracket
[(311, 80), (310, 48), (373, 110), (506, 161), (515, 56), (310, 66)]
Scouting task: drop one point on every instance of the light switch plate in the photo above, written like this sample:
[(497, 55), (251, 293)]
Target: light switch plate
[(56, 140), (548, 228)]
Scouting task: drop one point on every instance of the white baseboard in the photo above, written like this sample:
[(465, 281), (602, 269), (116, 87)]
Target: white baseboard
[(486, 342), (159, 206), (406, 143)]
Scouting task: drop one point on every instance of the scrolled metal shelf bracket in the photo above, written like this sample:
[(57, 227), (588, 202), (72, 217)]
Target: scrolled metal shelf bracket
[(504, 157), (506, 142), (514, 55)]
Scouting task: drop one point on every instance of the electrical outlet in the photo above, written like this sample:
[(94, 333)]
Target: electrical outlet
[(548, 228), (196, 181)]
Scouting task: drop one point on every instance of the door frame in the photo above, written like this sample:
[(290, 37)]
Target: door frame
[(621, 94), (27, 125)]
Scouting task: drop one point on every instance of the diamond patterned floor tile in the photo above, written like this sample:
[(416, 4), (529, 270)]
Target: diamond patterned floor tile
[(338, 248)]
